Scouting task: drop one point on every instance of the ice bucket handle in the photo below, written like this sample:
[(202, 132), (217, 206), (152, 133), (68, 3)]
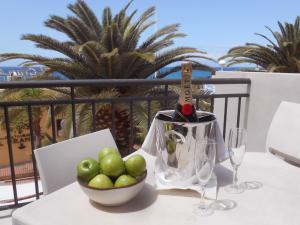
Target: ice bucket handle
[(179, 137)]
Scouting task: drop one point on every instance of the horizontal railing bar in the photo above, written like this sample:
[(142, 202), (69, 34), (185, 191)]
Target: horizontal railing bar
[(116, 82), (107, 100), (222, 95), (12, 206)]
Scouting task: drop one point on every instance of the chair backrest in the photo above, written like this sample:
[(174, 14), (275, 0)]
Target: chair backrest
[(284, 133), (57, 163)]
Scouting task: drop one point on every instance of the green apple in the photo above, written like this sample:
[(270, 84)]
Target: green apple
[(125, 180), (106, 151), (101, 181), (87, 169), (112, 165), (135, 165)]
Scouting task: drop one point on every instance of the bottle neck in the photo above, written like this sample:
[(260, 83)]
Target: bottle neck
[(186, 84)]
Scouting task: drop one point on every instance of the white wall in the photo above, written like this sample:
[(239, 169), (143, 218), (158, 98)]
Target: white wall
[(267, 90)]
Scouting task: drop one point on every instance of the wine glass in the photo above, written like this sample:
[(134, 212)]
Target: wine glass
[(204, 164), (236, 149)]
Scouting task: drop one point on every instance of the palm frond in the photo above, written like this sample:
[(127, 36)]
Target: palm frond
[(58, 23), (45, 42), (83, 11), (170, 29), (281, 55)]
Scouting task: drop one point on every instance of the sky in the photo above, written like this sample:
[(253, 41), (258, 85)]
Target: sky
[(213, 26)]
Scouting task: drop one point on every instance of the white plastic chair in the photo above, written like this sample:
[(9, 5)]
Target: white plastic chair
[(57, 163), (283, 137)]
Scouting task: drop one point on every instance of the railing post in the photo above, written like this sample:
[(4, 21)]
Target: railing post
[(238, 113), (212, 104), (73, 113), (36, 182), (225, 118), (247, 103), (149, 113), (197, 103), (131, 124), (113, 118), (94, 115), (166, 96), (11, 156), (53, 124)]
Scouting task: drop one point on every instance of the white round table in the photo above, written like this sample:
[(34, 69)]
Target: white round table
[(277, 202)]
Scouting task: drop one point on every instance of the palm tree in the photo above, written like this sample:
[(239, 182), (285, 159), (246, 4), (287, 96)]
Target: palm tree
[(107, 49), (281, 55)]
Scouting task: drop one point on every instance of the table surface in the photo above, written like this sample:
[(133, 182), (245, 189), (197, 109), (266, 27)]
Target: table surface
[(277, 202)]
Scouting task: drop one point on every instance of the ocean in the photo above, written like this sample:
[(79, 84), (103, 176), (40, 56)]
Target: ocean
[(196, 74), (204, 74), (12, 73)]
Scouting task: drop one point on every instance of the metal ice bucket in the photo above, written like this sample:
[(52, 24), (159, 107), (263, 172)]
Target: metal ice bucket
[(176, 143)]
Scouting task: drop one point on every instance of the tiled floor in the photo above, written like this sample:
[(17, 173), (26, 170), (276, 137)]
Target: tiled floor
[(5, 217), (25, 191)]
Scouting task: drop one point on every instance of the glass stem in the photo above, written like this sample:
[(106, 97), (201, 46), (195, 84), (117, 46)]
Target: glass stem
[(202, 199), (235, 178)]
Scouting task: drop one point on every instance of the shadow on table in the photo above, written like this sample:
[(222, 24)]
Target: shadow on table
[(251, 185), (144, 199), (224, 175), (223, 204), (178, 192)]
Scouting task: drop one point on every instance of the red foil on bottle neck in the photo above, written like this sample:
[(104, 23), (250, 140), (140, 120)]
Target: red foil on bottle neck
[(187, 109)]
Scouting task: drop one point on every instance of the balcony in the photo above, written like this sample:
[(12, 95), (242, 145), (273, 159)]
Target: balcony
[(17, 173), (240, 99)]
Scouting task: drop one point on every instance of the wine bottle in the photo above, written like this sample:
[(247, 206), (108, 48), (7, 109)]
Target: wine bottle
[(185, 110)]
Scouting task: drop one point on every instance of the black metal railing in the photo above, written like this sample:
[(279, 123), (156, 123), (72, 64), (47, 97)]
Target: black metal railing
[(165, 97)]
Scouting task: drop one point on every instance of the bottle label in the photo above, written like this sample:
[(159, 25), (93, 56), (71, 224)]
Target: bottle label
[(186, 88)]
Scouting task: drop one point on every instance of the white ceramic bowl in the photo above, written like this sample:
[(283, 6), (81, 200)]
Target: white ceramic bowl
[(114, 196)]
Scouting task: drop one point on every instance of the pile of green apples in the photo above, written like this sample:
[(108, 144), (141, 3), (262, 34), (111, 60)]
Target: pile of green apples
[(110, 170)]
